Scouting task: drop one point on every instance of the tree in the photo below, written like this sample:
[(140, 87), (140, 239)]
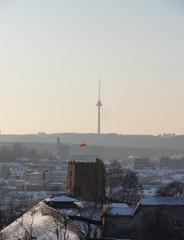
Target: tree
[(3, 235), (89, 212), (27, 227), (122, 184), (132, 190), (11, 214), (130, 180), (61, 229), (114, 176), (173, 189)]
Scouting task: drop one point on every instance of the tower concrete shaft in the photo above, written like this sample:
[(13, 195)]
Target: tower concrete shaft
[(99, 105), (99, 121)]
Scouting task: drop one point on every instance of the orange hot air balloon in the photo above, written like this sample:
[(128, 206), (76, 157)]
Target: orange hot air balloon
[(83, 145)]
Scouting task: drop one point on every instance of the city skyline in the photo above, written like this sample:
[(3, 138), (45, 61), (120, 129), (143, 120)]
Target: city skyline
[(52, 54)]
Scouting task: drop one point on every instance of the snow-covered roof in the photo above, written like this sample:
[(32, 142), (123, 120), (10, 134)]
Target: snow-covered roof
[(149, 192), (63, 198), (178, 176), (119, 209), (162, 201)]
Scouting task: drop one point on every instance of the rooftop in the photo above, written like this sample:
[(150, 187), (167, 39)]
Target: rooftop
[(63, 198), (122, 209), (162, 201), (119, 209)]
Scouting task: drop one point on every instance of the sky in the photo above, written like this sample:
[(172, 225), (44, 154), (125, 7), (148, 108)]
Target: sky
[(52, 54)]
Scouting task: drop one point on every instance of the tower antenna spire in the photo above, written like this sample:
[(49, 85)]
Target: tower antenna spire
[(99, 89)]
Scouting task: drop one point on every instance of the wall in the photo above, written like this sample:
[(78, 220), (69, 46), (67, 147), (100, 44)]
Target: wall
[(87, 180)]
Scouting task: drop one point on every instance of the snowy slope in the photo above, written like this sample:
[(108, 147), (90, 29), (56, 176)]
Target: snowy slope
[(41, 223)]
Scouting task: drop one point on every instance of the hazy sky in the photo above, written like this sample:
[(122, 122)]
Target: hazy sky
[(53, 51)]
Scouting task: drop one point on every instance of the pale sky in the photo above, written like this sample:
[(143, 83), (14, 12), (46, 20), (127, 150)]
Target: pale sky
[(53, 51)]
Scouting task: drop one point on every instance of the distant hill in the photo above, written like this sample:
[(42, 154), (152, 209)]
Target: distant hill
[(108, 140), (106, 146)]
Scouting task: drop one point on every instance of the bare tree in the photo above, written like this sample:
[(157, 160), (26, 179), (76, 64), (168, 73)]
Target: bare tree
[(3, 235), (123, 184), (10, 215), (114, 176), (89, 213), (173, 189), (27, 227), (61, 229)]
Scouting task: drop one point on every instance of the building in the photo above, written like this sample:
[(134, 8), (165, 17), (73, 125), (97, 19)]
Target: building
[(53, 177), (54, 180), (36, 178), (4, 171), (151, 218), (172, 163), (86, 180), (142, 163), (62, 201)]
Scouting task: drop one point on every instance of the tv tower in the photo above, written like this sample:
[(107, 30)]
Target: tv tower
[(99, 105)]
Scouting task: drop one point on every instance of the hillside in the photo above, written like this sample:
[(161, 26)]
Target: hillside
[(113, 140), (42, 223)]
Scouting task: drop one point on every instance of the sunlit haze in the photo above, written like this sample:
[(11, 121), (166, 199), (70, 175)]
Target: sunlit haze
[(53, 52)]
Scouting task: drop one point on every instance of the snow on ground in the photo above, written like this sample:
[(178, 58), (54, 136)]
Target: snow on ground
[(35, 224)]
